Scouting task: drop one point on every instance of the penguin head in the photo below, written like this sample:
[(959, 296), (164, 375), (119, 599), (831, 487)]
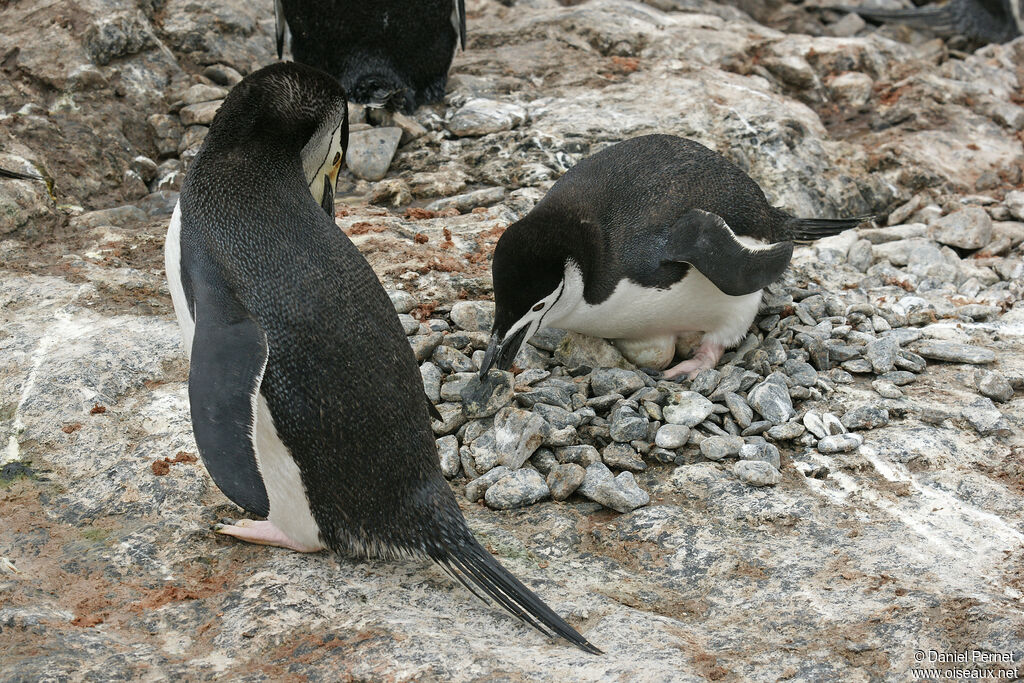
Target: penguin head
[(294, 109), (528, 277)]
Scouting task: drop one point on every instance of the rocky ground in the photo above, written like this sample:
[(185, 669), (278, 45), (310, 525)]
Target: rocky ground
[(845, 490)]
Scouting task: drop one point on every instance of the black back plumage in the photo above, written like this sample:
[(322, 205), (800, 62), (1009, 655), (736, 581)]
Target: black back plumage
[(341, 381), (987, 21), (394, 53), (614, 213)]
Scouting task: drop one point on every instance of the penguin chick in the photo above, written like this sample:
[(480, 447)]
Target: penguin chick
[(642, 242), (987, 21), (289, 333), (390, 53)]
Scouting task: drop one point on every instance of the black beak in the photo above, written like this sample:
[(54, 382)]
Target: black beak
[(500, 355), (327, 201)]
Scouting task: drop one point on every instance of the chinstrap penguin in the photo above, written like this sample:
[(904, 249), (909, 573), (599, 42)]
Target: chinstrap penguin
[(988, 21), (390, 53), (306, 399), (644, 241)]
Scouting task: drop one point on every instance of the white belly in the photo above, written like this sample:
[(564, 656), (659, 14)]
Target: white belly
[(635, 312), (172, 266), (289, 505)]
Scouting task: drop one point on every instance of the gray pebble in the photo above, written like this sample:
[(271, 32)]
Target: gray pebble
[(672, 436), (719, 447), (531, 376), (886, 389), (473, 316), (772, 401), (952, 352), (706, 381), (764, 452), (431, 381), (687, 408), (370, 151), (402, 301), (740, 410), (522, 487), (410, 325), (866, 417), (899, 377), (448, 454), (881, 353), (968, 228), (626, 425), (993, 385), (615, 381), (622, 457), (858, 366), (451, 360), (544, 459), (476, 488), (517, 434), (985, 418), (556, 438), (619, 493), (481, 398), (563, 480), (840, 443), (756, 473), (786, 432), (423, 345), (907, 360), (801, 373), (453, 418), (454, 385), (758, 427), (585, 455)]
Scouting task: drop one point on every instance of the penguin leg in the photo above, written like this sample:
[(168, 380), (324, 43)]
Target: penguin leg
[(263, 533), (706, 358)]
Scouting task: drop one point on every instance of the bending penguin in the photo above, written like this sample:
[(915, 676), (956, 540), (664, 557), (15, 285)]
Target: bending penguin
[(389, 53), (644, 241), (306, 400), (988, 21)]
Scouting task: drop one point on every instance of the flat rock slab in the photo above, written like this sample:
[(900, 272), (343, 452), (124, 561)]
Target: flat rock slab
[(952, 352), (371, 150)]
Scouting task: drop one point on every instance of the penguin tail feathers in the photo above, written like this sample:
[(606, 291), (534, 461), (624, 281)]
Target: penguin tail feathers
[(938, 19), (804, 230), (476, 569)]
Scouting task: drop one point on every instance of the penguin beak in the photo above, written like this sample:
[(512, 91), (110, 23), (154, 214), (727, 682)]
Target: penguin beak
[(501, 354), (327, 200)]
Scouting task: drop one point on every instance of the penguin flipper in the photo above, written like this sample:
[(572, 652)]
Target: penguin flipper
[(706, 242), (229, 356), (460, 7), (279, 25)]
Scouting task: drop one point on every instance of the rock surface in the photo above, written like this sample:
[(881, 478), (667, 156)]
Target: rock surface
[(853, 550)]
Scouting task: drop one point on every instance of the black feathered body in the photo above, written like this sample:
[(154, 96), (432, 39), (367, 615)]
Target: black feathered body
[(988, 21), (391, 52)]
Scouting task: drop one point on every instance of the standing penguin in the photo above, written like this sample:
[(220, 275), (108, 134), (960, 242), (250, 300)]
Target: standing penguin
[(307, 403), (643, 241), (987, 21), (388, 53)]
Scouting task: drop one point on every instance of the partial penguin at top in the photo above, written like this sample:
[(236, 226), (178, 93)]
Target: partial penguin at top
[(306, 399), (643, 242), (986, 21), (393, 54)]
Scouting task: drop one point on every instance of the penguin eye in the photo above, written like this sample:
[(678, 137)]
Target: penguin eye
[(538, 307)]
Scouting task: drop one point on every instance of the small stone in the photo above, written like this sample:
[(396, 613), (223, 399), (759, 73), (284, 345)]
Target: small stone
[(473, 316), (585, 455), (720, 447), (1015, 203), (814, 424), (687, 408), (626, 425), (910, 361), (475, 489), (431, 381), (522, 487), (481, 116), (986, 419), (840, 443), (464, 203), (786, 432), (852, 87), (772, 401), (672, 436), (370, 151), (615, 381), (200, 114), (756, 473), (899, 377), (576, 350), (452, 360), (563, 480), (222, 74), (619, 493), (741, 411), (517, 434), (410, 325), (886, 389), (802, 374), (484, 397), (402, 301), (622, 457), (993, 385), (764, 452), (200, 92), (860, 255), (544, 460), (166, 132), (860, 366), (706, 381), (881, 353), (448, 454), (866, 417), (952, 352), (423, 345), (556, 438), (968, 228)]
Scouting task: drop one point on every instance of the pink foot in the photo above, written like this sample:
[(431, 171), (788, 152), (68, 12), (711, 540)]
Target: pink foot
[(707, 357), (264, 533)]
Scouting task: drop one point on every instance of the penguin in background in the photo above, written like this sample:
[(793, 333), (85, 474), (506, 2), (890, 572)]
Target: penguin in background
[(392, 54), (306, 399), (986, 21), (647, 240)]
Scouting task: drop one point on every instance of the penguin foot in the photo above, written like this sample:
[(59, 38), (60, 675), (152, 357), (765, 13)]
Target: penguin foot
[(263, 533), (706, 358)]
